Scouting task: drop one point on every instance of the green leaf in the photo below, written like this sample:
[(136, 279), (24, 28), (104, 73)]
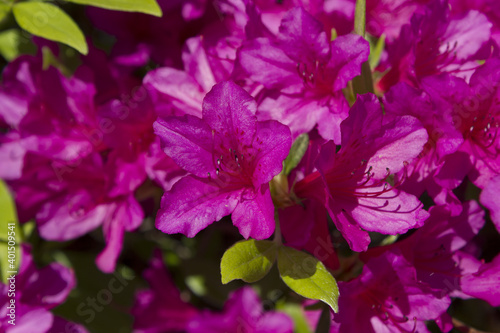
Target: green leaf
[(9, 226), (376, 52), (389, 240), (50, 22), (9, 42), (249, 260), (197, 284), (142, 6), (307, 276), (299, 148), (4, 10)]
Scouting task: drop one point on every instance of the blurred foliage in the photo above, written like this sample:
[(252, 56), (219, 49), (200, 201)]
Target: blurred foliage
[(10, 234), (49, 21)]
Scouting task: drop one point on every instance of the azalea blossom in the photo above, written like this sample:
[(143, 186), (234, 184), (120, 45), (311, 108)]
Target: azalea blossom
[(160, 308), (303, 74), (353, 182), (231, 157), (435, 42)]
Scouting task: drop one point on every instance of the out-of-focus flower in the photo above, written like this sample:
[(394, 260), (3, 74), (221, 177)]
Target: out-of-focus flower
[(160, 309), (243, 312), (74, 156), (36, 292)]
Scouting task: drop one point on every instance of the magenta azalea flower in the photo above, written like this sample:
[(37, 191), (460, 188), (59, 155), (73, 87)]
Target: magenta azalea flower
[(231, 157), (473, 111), (303, 74), (387, 297), (305, 226), (353, 182), (436, 43), (45, 112), (207, 59), (242, 313)]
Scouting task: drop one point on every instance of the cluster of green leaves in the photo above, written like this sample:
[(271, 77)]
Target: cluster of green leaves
[(47, 20), (251, 260)]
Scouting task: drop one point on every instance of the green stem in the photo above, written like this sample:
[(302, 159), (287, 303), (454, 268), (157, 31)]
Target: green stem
[(277, 231), (364, 83), (360, 17)]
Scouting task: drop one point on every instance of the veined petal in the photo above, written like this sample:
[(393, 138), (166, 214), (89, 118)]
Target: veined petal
[(394, 215), (264, 62), (484, 283), (230, 111), (176, 87), (468, 33), (52, 284), (192, 204), (33, 319), (302, 112), (189, 142), (12, 156)]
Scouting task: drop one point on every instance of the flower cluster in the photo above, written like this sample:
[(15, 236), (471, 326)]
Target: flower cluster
[(253, 112)]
